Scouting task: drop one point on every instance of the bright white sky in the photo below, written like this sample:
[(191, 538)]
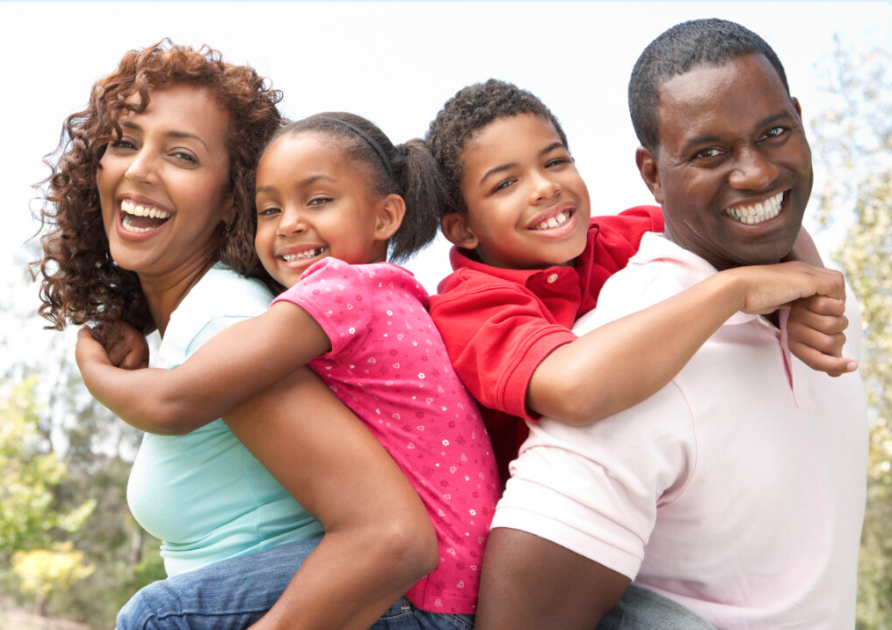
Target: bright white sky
[(395, 63)]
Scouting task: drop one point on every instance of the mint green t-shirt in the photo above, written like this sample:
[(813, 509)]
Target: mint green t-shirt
[(203, 494)]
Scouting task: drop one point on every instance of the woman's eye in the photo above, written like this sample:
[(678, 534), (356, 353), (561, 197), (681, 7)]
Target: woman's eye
[(187, 157), (122, 144)]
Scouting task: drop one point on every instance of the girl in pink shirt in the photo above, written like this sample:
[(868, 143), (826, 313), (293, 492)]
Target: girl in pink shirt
[(333, 195)]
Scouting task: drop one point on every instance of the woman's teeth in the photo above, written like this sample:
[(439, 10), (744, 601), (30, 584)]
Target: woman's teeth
[(310, 253), (759, 212), (137, 218), (553, 222)]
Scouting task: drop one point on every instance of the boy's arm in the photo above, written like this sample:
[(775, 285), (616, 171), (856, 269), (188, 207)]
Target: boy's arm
[(817, 324), (626, 361), (378, 539), (234, 365), (530, 582)]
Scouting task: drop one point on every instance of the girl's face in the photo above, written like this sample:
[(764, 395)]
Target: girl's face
[(314, 201), (528, 207), (164, 186)]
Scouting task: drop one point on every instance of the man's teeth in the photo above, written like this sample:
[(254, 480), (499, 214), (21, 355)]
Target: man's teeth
[(310, 253), (128, 207), (759, 212), (553, 222)]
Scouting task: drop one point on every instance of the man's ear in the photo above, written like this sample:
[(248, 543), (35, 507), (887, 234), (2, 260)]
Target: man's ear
[(391, 211), (797, 106), (650, 173), (457, 231)]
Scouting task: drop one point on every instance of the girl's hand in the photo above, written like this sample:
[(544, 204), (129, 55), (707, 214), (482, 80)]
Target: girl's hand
[(129, 349), (766, 288), (816, 334)]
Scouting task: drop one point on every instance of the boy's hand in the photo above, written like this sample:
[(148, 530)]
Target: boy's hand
[(816, 334), (767, 288)]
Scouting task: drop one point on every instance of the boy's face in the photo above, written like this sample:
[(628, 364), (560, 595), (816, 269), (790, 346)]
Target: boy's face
[(733, 170), (528, 208)]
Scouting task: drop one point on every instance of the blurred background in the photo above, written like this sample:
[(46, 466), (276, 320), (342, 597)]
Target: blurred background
[(70, 552)]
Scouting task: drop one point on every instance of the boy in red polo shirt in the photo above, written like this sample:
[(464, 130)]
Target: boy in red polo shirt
[(529, 260)]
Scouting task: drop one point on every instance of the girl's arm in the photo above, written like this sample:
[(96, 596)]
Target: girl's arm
[(378, 537), (237, 363), (626, 361)]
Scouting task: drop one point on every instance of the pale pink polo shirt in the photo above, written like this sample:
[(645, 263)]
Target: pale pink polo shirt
[(737, 490), (389, 365)]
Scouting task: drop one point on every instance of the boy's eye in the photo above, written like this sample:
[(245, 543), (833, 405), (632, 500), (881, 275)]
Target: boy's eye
[(556, 162)]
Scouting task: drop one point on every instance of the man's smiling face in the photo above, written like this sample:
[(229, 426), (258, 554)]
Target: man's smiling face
[(733, 168)]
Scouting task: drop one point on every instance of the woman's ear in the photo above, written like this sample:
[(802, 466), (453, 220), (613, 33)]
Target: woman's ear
[(391, 211), (456, 229), (650, 172)]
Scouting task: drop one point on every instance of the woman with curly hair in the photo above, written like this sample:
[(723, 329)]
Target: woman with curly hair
[(148, 222)]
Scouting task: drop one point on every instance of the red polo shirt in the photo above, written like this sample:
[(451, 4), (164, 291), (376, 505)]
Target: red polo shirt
[(499, 324)]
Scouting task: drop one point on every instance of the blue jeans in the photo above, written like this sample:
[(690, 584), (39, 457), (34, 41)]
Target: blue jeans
[(234, 593), (642, 609)]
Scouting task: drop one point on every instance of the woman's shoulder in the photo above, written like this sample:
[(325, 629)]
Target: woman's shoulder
[(221, 298)]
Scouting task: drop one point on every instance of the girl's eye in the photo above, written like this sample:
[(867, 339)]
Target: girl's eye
[(318, 201), (269, 212), (503, 185)]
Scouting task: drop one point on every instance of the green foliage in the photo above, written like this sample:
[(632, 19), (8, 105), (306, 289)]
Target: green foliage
[(28, 474), (44, 570), (853, 140)]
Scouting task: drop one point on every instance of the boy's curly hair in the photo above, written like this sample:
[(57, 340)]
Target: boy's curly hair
[(464, 115), (79, 281)]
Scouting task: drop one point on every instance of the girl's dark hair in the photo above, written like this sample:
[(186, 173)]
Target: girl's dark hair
[(79, 281), (408, 170), (464, 115)]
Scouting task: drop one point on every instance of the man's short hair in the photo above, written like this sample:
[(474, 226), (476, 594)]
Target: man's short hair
[(710, 42)]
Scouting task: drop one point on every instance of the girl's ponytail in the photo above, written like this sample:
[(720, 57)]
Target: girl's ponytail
[(423, 188)]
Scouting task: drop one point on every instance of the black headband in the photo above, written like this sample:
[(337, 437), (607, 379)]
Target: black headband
[(371, 141)]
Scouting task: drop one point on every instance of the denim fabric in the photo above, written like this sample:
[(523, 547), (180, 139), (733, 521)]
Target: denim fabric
[(404, 616), (234, 593), (642, 609)]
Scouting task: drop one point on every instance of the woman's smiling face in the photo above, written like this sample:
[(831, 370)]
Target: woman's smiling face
[(164, 185)]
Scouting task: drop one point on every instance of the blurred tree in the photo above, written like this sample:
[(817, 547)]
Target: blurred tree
[(853, 141), (43, 571)]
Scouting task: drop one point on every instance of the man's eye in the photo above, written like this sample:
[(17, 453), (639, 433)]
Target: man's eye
[(776, 132), (707, 154)]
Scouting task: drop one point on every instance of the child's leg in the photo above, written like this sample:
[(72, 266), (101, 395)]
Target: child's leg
[(642, 609), (233, 593)]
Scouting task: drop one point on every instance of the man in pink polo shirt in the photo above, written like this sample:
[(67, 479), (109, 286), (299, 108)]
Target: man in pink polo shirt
[(737, 490)]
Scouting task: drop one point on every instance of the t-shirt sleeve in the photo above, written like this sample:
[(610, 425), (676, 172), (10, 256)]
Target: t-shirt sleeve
[(339, 297), (596, 490), (496, 335)]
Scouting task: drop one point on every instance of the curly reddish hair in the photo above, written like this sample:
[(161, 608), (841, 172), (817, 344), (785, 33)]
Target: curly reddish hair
[(79, 281)]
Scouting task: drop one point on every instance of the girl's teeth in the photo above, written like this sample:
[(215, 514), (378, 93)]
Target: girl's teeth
[(310, 253)]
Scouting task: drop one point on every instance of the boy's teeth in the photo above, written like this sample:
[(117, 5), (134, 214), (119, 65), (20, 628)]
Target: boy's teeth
[(553, 222), (758, 212), (310, 253)]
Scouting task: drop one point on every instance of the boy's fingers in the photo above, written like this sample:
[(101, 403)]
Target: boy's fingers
[(822, 305), (832, 365)]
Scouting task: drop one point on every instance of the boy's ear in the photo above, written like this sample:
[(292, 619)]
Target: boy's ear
[(457, 231), (391, 211), (650, 172)]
